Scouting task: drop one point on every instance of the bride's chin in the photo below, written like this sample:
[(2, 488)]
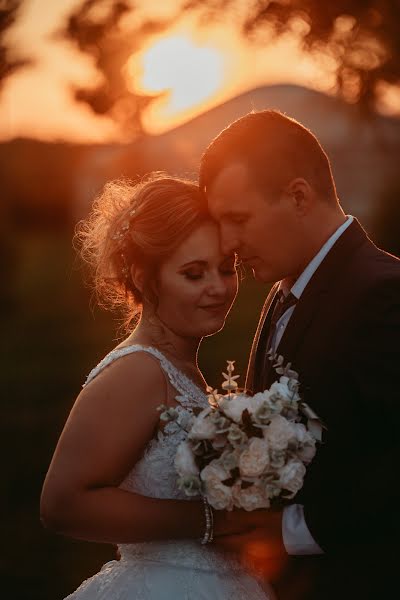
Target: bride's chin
[(213, 328)]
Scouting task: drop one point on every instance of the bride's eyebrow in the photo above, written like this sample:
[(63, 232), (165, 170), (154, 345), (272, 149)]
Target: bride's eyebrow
[(199, 263)]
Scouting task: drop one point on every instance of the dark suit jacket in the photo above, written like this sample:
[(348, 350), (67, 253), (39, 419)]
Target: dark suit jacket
[(344, 340)]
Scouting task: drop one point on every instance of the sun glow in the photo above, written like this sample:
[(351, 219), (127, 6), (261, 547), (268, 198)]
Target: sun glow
[(185, 73)]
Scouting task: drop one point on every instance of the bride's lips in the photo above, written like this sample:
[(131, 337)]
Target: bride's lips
[(217, 307)]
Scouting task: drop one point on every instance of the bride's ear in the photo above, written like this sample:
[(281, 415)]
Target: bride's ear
[(137, 277)]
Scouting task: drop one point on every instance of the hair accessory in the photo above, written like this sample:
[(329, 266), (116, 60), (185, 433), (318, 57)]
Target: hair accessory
[(124, 226)]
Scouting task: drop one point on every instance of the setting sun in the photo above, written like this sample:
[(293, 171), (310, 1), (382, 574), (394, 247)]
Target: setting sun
[(187, 73)]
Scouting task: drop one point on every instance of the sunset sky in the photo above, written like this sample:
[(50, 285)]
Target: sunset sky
[(198, 68)]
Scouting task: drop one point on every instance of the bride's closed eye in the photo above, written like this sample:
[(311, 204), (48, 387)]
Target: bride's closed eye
[(193, 274)]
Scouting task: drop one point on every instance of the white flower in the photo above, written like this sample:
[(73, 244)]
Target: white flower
[(279, 433), (306, 443), (258, 400), (218, 494), (280, 388), (203, 427), (214, 470), (250, 498), (291, 476), (263, 414), (185, 463), (234, 407), (254, 459)]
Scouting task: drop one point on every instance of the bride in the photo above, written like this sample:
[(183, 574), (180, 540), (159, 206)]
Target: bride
[(152, 248)]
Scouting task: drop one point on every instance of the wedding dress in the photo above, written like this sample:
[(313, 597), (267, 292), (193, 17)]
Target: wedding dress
[(172, 569)]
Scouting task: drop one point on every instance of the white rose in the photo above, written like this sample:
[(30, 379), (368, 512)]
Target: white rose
[(214, 470), (185, 463), (279, 433), (234, 407), (254, 460), (281, 389), (258, 400), (203, 427), (218, 494), (250, 498), (291, 476)]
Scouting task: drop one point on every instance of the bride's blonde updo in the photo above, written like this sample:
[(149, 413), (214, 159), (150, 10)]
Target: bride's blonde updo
[(136, 224)]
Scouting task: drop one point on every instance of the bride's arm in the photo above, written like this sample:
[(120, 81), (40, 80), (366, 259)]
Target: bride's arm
[(110, 424)]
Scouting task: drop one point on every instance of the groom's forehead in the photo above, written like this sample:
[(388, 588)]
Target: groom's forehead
[(230, 183)]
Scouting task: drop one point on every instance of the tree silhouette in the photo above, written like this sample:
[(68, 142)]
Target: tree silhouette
[(9, 60), (362, 37), (110, 45)]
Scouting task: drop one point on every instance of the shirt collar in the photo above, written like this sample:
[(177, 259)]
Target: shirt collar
[(298, 287)]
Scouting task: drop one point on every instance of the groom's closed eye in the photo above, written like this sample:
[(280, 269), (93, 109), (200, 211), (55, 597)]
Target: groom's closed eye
[(228, 266)]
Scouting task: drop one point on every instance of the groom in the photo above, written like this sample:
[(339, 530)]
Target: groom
[(334, 313)]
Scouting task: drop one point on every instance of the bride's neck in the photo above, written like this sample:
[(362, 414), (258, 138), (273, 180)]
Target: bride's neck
[(151, 331)]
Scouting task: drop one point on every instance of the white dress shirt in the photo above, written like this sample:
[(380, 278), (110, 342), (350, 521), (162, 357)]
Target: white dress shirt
[(296, 535)]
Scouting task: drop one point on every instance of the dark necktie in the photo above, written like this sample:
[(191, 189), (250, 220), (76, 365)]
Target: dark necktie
[(282, 304), (263, 364)]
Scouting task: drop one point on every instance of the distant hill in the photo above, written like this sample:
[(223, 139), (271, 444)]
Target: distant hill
[(63, 178)]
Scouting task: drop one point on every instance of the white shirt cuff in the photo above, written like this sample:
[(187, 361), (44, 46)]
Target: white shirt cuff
[(296, 535)]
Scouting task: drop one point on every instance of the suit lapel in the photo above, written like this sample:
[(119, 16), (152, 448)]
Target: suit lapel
[(257, 341), (316, 293), (317, 290)]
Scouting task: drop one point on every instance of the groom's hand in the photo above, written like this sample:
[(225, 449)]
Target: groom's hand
[(261, 544)]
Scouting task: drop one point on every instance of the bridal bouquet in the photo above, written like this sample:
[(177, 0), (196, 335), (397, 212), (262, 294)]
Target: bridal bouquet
[(247, 451)]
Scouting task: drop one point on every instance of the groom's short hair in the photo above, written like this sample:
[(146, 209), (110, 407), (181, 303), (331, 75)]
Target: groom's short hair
[(275, 148)]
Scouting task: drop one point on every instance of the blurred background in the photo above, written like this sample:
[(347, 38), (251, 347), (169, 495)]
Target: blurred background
[(97, 89)]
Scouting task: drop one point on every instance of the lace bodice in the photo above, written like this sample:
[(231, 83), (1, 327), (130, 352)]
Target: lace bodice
[(154, 474), (170, 568)]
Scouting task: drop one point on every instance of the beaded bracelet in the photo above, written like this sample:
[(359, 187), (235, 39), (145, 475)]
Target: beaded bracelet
[(209, 516)]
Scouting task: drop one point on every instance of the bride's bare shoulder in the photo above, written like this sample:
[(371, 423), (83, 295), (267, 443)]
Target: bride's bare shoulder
[(137, 372)]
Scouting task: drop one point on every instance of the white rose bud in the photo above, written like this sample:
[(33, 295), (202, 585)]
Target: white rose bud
[(254, 460)]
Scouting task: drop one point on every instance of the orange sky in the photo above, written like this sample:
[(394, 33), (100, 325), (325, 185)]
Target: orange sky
[(210, 67)]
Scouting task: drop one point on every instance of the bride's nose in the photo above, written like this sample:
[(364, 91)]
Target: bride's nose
[(217, 286)]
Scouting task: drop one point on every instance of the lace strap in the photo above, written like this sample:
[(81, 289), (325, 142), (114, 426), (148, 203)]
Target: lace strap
[(189, 393)]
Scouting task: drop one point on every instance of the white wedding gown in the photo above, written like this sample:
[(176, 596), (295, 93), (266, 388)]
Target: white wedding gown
[(172, 569)]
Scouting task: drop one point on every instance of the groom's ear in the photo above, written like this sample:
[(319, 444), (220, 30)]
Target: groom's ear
[(300, 194)]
